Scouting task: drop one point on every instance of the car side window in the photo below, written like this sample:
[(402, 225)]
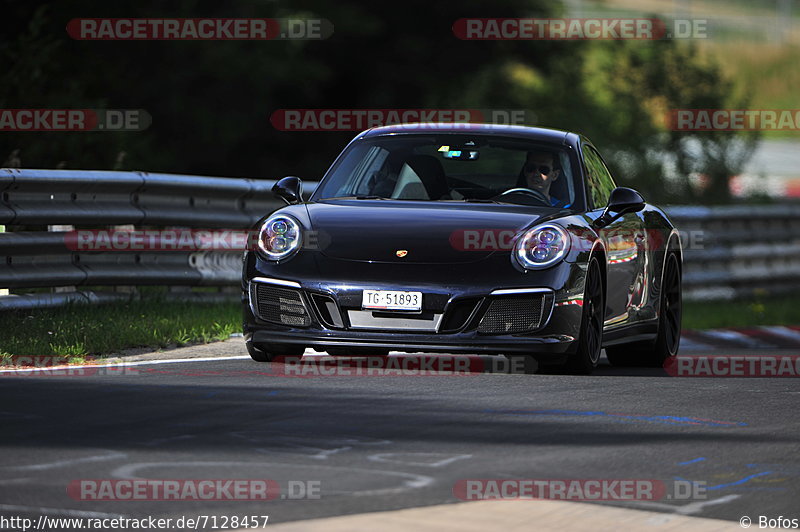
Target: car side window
[(599, 179)]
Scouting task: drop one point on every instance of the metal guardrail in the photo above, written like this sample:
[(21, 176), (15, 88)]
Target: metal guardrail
[(728, 251), (99, 199), (48, 300), (741, 250), (42, 259), (30, 197)]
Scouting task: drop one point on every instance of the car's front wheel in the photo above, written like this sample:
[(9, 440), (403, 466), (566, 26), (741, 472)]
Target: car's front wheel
[(590, 341), (269, 352)]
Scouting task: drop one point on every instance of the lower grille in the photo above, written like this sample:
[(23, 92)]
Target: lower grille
[(279, 305), (513, 314)]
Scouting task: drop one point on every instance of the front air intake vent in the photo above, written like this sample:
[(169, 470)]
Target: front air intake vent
[(279, 305), (457, 315), (328, 311), (514, 314)]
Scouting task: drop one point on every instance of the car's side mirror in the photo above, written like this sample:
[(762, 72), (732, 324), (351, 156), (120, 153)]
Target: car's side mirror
[(622, 200), (289, 189)]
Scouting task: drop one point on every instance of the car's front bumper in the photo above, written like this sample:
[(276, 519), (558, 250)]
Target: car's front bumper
[(456, 299)]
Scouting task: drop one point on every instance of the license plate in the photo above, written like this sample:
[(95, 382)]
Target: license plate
[(391, 300)]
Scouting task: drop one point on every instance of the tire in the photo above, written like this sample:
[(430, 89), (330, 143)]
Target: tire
[(590, 341), (654, 354), (269, 352)]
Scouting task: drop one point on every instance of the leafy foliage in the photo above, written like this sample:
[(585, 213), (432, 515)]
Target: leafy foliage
[(211, 101)]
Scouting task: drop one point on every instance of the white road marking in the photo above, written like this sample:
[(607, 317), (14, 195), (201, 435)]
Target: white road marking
[(385, 457), (686, 509), (122, 365), (112, 455), (412, 480)]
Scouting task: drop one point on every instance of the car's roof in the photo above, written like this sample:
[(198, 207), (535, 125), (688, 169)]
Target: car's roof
[(532, 133)]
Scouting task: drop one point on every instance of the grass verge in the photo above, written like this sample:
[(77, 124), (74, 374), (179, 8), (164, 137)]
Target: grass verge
[(742, 313), (80, 331)]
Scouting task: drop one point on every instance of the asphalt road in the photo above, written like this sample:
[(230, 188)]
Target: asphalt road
[(381, 443)]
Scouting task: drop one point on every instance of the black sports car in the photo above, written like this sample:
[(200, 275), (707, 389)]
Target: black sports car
[(466, 239)]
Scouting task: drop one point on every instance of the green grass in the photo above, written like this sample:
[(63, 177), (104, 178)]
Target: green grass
[(81, 331), (744, 313)]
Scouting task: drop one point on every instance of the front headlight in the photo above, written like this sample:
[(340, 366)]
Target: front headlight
[(542, 247), (279, 237)]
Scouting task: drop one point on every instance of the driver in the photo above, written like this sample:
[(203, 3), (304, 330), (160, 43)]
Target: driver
[(539, 173)]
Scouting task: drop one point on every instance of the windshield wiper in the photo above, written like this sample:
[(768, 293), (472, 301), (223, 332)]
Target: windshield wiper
[(358, 197), (476, 200)]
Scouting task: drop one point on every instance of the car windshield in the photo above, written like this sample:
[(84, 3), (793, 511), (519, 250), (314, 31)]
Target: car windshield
[(452, 168)]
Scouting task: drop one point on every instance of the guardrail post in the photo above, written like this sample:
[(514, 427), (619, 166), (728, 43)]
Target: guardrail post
[(124, 288), (56, 228), (180, 290), (3, 291)]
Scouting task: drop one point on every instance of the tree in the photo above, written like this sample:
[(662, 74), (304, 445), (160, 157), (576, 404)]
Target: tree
[(621, 94)]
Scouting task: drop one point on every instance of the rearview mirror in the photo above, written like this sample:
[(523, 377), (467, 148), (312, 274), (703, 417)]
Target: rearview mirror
[(289, 189), (621, 201)]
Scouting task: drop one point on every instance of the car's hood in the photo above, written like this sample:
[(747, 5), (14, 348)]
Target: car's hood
[(428, 232)]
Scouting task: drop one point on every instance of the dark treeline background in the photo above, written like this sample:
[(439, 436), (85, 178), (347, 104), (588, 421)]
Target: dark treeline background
[(211, 101)]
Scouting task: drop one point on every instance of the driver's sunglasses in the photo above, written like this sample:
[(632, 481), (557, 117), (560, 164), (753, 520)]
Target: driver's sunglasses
[(543, 168)]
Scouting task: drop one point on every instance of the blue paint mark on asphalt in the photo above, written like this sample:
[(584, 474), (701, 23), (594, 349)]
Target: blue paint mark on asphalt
[(738, 482), (273, 392), (666, 420), (784, 469), (692, 461), (730, 484)]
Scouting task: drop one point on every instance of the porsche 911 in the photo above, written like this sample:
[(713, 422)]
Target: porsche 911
[(453, 238)]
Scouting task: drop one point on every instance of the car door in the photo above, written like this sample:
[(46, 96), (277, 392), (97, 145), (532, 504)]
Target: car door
[(623, 239)]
